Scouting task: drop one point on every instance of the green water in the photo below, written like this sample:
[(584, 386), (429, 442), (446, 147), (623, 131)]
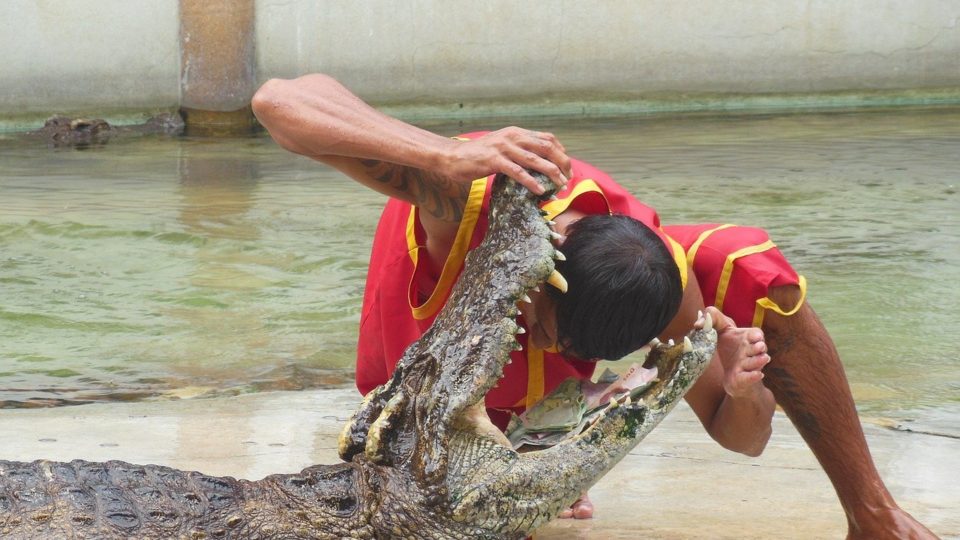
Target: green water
[(179, 267)]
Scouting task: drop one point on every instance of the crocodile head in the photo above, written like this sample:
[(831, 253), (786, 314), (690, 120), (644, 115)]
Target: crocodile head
[(428, 420), (422, 459)]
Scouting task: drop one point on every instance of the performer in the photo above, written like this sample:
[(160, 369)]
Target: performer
[(629, 279)]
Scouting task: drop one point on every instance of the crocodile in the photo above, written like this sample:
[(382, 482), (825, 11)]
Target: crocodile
[(420, 458), (80, 133)]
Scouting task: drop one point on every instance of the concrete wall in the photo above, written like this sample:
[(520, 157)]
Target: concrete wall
[(442, 49), (83, 55), (86, 55)]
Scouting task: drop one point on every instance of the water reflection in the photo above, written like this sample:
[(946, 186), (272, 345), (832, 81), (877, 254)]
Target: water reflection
[(217, 191)]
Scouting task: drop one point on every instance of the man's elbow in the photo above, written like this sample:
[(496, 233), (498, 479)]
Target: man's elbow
[(751, 445), (267, 99), (759, 444)]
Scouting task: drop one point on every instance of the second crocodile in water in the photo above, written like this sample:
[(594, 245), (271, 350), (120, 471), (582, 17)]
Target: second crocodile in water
[(420, 459)]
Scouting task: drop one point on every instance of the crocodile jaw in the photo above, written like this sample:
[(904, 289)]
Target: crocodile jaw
[(513, 493)]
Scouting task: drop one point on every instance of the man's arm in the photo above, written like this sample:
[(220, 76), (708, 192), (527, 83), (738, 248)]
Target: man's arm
[(730, 398), (318, 117)]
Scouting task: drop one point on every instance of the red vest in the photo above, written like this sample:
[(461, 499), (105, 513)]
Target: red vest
[(735, 267)]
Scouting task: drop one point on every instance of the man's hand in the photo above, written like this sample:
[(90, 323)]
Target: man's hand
[(743, 353), (510, 151)]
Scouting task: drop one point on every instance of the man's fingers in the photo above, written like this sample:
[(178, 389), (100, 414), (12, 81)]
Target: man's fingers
[(551, 139), (520, 174), (516, 149), (748, 378), (516, 167), (540, 151), (720, 321), (754, 335), (550, 149), (545, 164), (755, 363)]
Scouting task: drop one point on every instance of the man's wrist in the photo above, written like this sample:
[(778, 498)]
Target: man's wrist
[(439, 157)]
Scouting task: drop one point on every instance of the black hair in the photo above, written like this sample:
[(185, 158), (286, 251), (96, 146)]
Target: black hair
[(623, 287)]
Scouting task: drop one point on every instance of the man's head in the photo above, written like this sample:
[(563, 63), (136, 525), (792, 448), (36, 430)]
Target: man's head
[(624, 287)]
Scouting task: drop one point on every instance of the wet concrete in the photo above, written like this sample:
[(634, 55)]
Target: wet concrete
[(677, 484)]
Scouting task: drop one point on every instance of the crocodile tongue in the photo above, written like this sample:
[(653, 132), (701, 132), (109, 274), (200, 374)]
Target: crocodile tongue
[(573, 405)]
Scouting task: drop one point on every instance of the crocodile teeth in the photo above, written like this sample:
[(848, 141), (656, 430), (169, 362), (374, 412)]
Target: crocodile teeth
[(377, 432), (670, 343), (521, 330), (554, 197), (551, 222), (707, 322), (654, 342), (613, 403), (627, 400), (558, 255), (558, 281), (536, 288), (555, 235), (687, 345)]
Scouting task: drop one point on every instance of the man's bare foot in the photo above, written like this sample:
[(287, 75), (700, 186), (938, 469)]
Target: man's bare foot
[(582, 508), (893, 524)]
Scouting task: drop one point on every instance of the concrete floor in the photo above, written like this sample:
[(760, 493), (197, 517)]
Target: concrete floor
[(677, 484)]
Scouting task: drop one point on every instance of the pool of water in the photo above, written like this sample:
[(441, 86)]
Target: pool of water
[(164, 268)]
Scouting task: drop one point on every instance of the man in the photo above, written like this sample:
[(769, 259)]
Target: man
[(437, 213)]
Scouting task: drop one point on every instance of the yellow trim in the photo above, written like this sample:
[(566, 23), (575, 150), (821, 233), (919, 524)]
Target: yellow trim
[(559, 206), (728, 268), (412, 248), (679, 257), (766, 303), (535, 376), (451, 267), (692, 252)]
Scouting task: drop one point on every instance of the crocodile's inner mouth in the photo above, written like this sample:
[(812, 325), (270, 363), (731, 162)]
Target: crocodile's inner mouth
[(575, 406)]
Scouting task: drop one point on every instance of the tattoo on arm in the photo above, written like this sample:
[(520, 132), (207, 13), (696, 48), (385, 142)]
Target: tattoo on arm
[(439, 196)]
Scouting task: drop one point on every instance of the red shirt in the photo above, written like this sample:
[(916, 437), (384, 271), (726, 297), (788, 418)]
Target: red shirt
[(397, 309)]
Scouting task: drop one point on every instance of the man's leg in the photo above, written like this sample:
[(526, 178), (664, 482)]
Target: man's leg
[(808, 381)]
